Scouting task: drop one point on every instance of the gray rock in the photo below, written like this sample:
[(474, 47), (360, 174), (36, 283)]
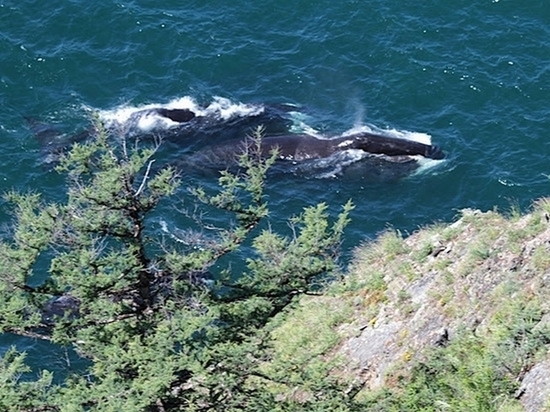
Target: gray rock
[(534, 392)]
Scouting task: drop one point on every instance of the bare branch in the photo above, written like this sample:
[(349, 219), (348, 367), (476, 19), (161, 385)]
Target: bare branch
[(29, 334), (145, 177), (124, 148)]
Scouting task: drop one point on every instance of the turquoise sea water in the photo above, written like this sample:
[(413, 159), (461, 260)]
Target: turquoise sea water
[(475, 76)]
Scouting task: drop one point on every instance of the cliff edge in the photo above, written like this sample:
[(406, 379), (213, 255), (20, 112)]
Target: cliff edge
[(452, 317)]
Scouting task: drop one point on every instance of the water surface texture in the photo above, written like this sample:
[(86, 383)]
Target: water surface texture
[(473, 76)]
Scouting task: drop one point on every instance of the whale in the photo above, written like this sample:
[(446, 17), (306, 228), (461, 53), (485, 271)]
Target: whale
[(304, 147), (196, 127), (367, 156), (178, 127), (300, 147)]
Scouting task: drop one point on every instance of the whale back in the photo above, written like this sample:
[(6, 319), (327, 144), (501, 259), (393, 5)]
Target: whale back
[(391, 146), (300, 147), (293, 147), (176, 115), (303, 147)]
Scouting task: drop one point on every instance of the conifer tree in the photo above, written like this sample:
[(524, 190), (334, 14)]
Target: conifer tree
[(158, 337)]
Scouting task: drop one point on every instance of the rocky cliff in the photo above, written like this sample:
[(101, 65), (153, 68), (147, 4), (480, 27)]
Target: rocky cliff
[(453, 317)]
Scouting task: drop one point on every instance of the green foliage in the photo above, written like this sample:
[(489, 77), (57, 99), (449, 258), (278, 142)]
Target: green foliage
[(289, 265), (17, 394), (157, 336)]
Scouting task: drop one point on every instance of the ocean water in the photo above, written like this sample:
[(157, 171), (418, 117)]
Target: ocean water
[(474, 77)]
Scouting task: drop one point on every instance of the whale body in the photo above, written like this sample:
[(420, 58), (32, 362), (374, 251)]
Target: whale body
[(302, 147)]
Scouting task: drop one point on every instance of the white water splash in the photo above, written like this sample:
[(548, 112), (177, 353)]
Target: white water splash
[(332, 166), (226, 109), (419, 137), (300, 124), (426, 165), (144, 118)]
